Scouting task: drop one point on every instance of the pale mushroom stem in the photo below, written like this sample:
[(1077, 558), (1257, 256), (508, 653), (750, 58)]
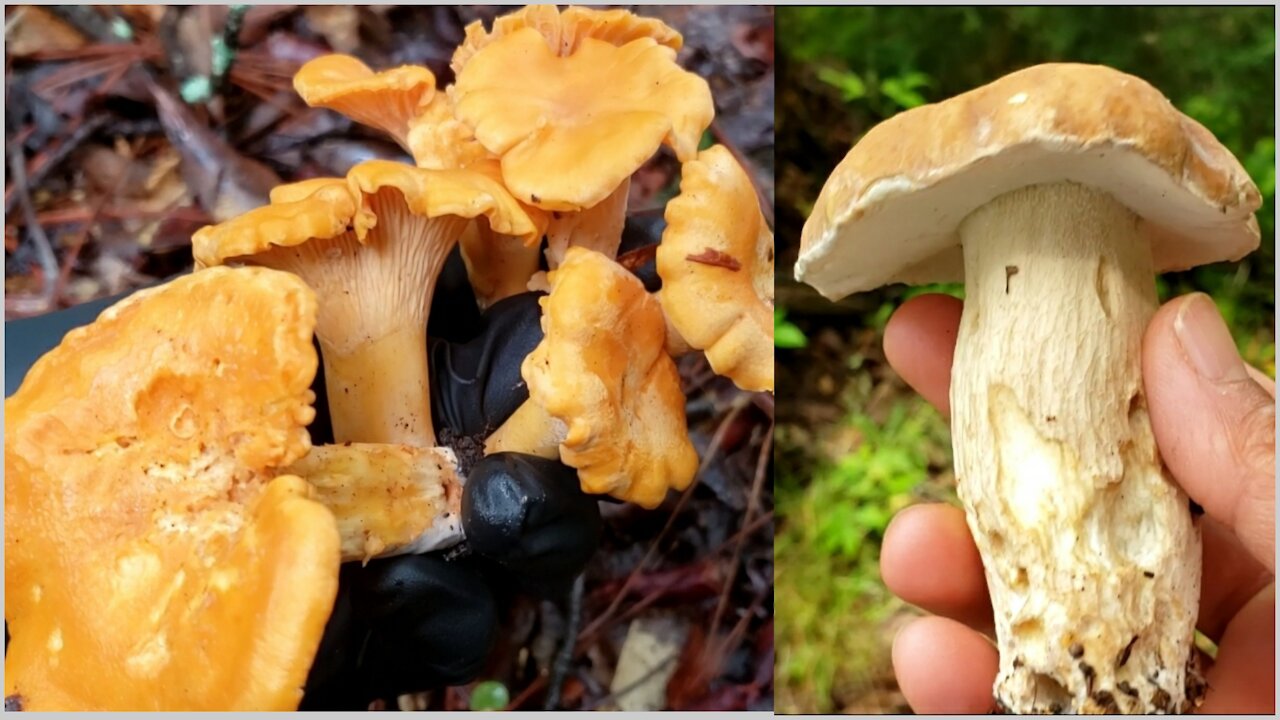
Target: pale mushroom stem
[(379, 391), (598, 227), (677, 346), (498, 265), (374, 301), (387, 499), (531, 430), (1091, 553)]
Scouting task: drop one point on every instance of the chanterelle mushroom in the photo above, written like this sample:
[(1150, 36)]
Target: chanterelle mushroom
[(372, 247), (602, 388), (716, 265), (153, 560), (1056, 193), (403, 103), (535, 100), (389, 100), (565, 30)]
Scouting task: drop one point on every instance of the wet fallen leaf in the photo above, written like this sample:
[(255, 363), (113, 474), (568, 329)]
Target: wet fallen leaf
[(339, 24), (647, 662), (30, 29)]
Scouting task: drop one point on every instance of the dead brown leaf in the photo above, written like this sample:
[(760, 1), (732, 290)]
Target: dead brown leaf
[(30, 29)]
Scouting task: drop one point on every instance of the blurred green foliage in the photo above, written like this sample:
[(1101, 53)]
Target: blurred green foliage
[(829, 597), (785, 333), (860, 66)]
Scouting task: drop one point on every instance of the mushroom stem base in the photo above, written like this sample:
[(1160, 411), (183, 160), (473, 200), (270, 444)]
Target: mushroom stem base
[(1091, 553), (530, 430), (379, 392), (387, 499)]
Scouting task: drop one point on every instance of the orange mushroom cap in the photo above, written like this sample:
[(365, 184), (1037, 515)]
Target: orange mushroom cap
[(439, 141), (566, 145), (387, 100), (716, 265), (564, 31), (295, 191), (602, 369), (152, 559)]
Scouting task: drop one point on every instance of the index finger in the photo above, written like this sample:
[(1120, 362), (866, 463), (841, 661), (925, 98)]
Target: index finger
[(920, 342)]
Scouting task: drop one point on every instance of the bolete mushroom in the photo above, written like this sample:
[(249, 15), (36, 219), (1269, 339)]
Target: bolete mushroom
[(535, 101), (372, 248), (154, 558), (716, 265), (602, 390), (1056, 193)]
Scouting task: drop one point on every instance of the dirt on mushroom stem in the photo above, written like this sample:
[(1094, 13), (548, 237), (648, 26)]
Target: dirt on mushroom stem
[(1091, 553)]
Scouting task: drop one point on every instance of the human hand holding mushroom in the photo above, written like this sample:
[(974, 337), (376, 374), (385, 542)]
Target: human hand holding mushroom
[(1056, 193), (1214, 421)]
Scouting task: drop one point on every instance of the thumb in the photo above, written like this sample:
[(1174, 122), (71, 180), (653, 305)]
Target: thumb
[(1214, 420)]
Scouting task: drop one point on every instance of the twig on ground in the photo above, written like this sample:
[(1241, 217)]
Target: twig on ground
[(753, 504), (560, 668), (735, 409), (640, 681), (41, 167), (73, 251), (44, 249)]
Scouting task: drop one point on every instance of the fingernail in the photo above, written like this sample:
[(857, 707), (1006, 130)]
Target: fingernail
[(1207, 342)]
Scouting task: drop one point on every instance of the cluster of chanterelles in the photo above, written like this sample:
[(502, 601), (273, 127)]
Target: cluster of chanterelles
[(173, 538)]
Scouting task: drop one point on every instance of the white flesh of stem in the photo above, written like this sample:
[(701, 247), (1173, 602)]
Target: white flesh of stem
[(1091, 554)]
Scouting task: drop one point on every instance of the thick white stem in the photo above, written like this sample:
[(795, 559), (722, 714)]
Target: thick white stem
[(1091, 553)]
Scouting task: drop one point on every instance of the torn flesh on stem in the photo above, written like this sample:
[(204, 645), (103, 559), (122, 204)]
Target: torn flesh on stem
[(1091, 553)]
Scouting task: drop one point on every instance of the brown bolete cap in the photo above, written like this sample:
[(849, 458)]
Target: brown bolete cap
[(602, 369), (389, 100), (890, 210), (716, 264), (153, 559)]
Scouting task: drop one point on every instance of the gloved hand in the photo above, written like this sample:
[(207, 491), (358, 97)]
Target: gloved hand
[(411, 623)]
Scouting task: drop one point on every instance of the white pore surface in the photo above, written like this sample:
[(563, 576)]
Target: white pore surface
[(908, 230)]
